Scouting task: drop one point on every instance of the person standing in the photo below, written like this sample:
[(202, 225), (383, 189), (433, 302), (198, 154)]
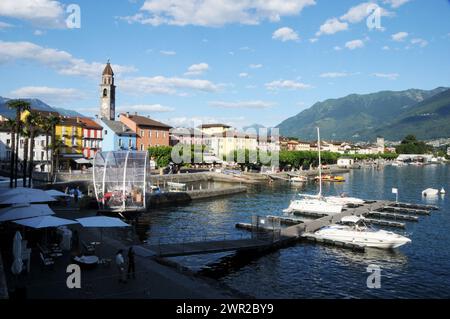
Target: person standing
[(120, 262), (131, 264)]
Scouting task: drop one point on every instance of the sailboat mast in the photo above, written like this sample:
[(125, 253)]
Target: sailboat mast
[(320, 163)]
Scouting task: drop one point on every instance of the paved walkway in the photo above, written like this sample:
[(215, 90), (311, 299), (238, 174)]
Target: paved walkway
[(153, 280)]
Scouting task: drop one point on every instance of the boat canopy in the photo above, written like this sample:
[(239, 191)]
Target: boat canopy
[(120, 179)]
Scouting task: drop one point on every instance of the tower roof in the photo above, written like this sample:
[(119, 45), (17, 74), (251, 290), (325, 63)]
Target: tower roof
[(108, 70)]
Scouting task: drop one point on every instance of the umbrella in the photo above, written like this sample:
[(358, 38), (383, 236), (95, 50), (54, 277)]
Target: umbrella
[(22, 195), (56, 193), (16, 267), (24, 211), (101, 222), (44, 222)]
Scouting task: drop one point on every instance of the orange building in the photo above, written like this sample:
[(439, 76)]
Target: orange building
[(148, 132)]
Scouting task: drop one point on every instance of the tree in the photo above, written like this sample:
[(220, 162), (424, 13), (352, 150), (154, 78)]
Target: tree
[(19, 106), (54, 121), (161, 154), (12, 125), (410, 145)]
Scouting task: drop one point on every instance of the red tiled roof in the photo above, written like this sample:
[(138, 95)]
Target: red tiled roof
[(145, 121)]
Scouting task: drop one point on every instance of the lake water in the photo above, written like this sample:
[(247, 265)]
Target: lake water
[(418, 270)]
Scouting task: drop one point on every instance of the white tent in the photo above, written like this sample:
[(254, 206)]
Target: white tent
[(22, 195), (101, 222), (16, 267), (24, 211), (44, 222), (55, 193)]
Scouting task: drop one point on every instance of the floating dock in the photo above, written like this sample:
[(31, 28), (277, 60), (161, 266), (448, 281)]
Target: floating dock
[(297, 230)]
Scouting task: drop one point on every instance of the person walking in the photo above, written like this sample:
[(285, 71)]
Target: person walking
[(131, 264), (120, 262)]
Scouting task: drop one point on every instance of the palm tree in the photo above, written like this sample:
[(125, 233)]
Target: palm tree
[(12, 125), (26, 133), (46, 127), (19, 106), (57, 146), (34, 120), (53, 120)]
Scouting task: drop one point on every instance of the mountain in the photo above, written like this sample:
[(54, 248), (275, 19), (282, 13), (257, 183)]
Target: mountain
[(361, 116), (36, 104), (429, 119)]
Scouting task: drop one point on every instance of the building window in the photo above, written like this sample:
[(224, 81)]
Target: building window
[(120, 142), (130, 144), (142, 147), (142, 133), (157, 134), (8, 141), (105, 92), (106, 132)]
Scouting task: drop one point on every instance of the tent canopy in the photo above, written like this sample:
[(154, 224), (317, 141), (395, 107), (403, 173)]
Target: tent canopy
[(101, 222), (45, 222), (22, 195), (24, 211), (56, 193)]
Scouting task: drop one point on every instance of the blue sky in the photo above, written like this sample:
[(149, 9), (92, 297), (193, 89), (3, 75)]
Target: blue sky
[(238, 62)]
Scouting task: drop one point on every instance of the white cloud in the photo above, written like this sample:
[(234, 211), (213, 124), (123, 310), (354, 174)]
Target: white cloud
[(255, 66), (215, 13), (363, 10), (390, 76), (242, 104), (287, 84), (399, 36), (396, 3), (337, 48), (354, 44), (197, 69), (48, 94), (38, 32), (146, 108), (334, 75), (4, 25), (165, 85), (331, 26), (420, 42), (386, 48), (285, 34), (45, 13), (243, 75), (61, 61), (313, 40), (164, 52)]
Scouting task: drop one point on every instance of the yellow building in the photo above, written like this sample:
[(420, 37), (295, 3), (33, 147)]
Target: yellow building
[(70, 133)]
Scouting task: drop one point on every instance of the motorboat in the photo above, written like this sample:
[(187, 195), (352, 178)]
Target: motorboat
[(315, 203), (353, 229), (442, 192), (299, 179), (331, 178), (344, 200), (430, 192)]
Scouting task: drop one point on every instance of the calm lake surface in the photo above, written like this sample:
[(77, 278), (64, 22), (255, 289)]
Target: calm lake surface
[(418, 270)]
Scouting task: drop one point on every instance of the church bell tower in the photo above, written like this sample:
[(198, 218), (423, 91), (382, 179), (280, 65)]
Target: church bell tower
[(108, 94)]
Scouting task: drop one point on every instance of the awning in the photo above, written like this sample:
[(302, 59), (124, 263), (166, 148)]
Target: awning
[(83, 161), (102, 222), (45, 222), (21, 195), (24, 211)]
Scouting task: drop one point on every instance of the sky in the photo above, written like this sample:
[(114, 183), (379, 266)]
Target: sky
[(186, 62)]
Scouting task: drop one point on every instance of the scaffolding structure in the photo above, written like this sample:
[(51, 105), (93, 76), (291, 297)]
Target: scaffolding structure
[(120, 179)]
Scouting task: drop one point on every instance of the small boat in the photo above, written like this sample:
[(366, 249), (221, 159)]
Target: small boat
[(442, 192), (353, 229), (176, 187), (344, 200), (331, 178), (430, 192), (299, 179)]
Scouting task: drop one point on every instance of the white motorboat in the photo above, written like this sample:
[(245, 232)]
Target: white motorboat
[(312, 205), (430, 192), (344, 200), (315, 203), (352, 229), (442, 192), (299, 179)]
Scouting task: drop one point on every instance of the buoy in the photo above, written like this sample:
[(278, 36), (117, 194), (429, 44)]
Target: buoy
[(442, 191)]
